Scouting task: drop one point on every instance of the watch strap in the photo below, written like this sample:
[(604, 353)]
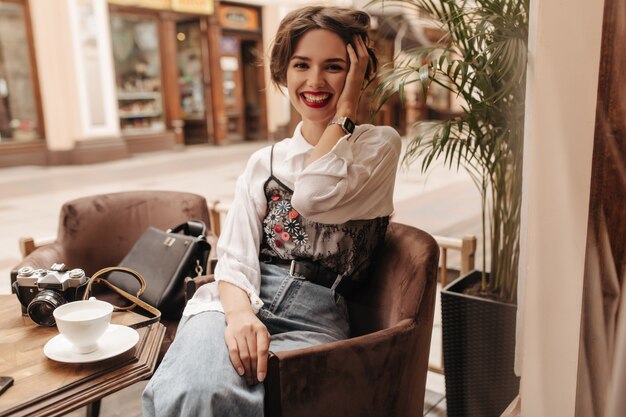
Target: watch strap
[(346, 124)]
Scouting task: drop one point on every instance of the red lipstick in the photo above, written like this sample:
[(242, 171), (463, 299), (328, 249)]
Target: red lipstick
[(315, 99)]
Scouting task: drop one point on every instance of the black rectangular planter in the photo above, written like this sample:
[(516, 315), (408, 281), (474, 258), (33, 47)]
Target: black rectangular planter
[(478, 351)]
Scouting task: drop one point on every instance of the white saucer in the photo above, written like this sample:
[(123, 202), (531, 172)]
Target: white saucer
[(116, 340)]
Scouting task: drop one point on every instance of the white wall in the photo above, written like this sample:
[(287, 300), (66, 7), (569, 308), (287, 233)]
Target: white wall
[(277, 103), (93, 62), (67, 90), (53, 50), (560, 114)]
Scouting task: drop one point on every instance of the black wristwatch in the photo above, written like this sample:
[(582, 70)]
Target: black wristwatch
[(346, 124)]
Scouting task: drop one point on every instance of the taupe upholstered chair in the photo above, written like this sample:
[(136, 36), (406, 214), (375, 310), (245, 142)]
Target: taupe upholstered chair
[(381, 370), (98, 231)]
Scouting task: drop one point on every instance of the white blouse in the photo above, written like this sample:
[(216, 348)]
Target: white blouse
[(354, 181)]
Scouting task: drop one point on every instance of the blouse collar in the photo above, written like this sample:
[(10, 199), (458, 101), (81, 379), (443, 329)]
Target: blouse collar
[(298, 144)]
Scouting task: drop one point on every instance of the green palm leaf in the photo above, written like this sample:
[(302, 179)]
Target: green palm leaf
[(481, 60)]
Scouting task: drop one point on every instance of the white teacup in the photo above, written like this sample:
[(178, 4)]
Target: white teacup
[(83, 322)]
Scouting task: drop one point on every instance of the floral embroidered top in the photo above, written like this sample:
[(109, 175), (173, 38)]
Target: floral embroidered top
[(334, 210), (344, 248)]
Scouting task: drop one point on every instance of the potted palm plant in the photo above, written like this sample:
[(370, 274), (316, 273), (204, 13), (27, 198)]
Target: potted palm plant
[(480, 58)]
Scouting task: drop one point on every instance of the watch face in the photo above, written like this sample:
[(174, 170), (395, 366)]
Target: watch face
[(348, 125)]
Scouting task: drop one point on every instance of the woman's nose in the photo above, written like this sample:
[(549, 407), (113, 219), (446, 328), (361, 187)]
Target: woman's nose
[(316, 78)]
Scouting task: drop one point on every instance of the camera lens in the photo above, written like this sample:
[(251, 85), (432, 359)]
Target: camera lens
[(41, 308)]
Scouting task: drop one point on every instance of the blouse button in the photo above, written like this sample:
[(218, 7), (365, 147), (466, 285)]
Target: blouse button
[(278, 243), (278, 228), (293, 214), (285, 236)]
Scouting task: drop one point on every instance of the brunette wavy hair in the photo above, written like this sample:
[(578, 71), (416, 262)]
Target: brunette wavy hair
[(343, 21)]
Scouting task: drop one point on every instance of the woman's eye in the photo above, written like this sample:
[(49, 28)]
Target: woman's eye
[(335, 68), (300, 65)]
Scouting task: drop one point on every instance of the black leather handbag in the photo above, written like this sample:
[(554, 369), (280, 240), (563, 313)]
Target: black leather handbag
[(165, 258)]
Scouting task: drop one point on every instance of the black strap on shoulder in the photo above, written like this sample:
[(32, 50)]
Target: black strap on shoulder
[(272, 161)]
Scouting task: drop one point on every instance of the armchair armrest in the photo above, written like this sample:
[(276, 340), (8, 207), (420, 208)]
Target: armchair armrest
[(28, 244), (375, 370), (43, 257)]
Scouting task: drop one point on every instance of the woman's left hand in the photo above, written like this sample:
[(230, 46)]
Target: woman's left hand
[(349, 98)]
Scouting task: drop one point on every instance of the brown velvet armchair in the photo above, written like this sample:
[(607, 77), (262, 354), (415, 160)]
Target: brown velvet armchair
[(98, 231), (380, 371)]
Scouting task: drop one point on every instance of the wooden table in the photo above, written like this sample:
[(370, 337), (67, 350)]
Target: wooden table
[(44, 387)]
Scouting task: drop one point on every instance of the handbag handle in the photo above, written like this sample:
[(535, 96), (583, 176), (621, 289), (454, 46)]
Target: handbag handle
[(97, 278), (190, 228)]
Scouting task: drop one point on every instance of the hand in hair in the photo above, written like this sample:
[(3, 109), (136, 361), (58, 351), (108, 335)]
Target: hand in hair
[(359, 59)]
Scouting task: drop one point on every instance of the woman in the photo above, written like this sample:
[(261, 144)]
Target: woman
[(308, 212)]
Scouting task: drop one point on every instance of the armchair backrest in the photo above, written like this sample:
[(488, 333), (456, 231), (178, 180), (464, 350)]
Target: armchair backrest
[(404, 274), (98, 231)]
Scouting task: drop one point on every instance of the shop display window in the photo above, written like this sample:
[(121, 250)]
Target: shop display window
[(19, 119), (137, 61), (190, 79)]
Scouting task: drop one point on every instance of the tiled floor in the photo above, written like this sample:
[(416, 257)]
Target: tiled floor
[(434, 399), (445, 203), (434, 404)]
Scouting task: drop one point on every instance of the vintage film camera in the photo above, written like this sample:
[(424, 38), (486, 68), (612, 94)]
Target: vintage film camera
[(41, 291)]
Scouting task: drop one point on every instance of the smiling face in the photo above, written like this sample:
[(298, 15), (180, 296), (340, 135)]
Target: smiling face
[(316, 75)]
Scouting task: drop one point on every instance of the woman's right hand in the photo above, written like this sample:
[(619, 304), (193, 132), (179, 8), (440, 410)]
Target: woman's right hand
[(248, 344), (347, 104)]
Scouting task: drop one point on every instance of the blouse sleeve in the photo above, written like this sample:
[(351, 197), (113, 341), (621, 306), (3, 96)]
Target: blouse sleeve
[(355, 180), (238, 245)]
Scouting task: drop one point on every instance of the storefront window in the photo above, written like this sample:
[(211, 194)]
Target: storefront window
[(19, 119), (190, 70), (137, 64)]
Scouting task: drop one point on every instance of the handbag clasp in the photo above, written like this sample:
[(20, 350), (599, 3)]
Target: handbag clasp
[(199, 268)]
